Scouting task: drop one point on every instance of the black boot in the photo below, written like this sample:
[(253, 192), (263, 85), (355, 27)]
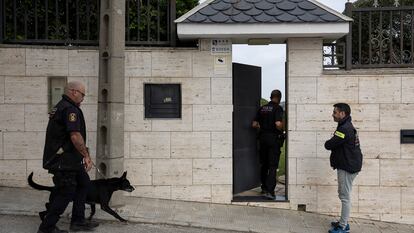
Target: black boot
[(83, 226), (55, 230)]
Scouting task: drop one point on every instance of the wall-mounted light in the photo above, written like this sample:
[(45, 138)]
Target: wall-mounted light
[(259, 41)]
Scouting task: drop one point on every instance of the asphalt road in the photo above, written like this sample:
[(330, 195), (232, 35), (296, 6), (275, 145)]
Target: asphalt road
[(29, 224)]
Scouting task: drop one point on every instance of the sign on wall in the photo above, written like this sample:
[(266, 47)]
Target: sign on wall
[(220, 47)]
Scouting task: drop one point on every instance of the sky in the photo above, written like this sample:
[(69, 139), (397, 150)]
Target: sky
[(272, 57)]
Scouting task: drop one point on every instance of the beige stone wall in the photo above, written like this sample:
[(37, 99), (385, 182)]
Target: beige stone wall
[(183, 159), (382, 103), (24, 73), (188, 158)]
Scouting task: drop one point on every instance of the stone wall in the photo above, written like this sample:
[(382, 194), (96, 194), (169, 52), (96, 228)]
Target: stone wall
[(191, 158), (24, 73), (184, 159), (382, 103), (188, 158)]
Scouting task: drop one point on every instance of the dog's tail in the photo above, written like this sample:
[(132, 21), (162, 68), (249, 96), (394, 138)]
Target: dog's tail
[(37, 186)]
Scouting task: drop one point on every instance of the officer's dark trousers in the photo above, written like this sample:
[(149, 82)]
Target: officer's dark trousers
[(269, 160), (69, 185)]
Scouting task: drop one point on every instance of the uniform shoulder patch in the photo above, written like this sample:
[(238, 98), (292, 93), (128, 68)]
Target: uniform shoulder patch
[(339, 134), (72, 117)]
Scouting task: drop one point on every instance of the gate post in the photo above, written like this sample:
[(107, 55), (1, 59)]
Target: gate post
[(348, 52), (111, 83)]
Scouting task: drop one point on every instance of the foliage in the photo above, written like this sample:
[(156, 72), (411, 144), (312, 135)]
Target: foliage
[(387, 40), (65, 21), (183, 6), (51, 20), (263, 102), (152, 22), (282, 161)]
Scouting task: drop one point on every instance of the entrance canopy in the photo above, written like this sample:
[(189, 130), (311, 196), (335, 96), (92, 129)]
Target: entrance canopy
[(273, 21)]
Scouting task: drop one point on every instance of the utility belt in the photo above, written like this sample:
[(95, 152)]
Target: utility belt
[(64, 161)]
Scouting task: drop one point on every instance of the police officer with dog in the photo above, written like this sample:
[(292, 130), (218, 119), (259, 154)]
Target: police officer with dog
[(67, 158), (269, 121)]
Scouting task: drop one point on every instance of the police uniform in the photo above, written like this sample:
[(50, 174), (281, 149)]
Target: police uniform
[(270, 143), (62, 159)]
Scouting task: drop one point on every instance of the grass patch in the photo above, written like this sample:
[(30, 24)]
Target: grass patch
[(282, 162)]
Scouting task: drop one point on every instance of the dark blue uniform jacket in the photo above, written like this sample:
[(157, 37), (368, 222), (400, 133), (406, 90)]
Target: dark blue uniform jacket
[(346, 152), (59, 152), (267, 115)]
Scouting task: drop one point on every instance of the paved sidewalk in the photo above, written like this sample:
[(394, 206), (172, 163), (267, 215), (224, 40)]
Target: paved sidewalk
[(22, 201)]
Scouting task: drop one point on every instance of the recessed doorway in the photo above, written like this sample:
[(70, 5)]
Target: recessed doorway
[(257, 70)]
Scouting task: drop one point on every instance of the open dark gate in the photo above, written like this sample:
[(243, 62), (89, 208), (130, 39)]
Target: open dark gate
[(246, 101)]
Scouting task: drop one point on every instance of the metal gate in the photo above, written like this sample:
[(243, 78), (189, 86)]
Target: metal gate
[(246, 101)]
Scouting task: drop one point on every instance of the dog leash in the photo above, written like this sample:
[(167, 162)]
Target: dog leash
[(99, 171)]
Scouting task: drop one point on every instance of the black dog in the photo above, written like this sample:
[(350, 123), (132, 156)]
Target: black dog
[(100, 192)]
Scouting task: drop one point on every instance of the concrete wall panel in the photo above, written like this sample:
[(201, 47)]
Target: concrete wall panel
[(36, 117), (221, 193), (25, 90), (137, 63), (13, 61), (150, 145), (302, 90), (23, 145), (13, 173), (172, 172), (407, 84), (212, 117), (139, 171), (221, 144), (2, 78), (302, 144), (312, 171), (386, 199), (371, 140), (199, 193), (190, 145), (212, 171), (330, 92), (47, 62), (396, 116), (135, 120), (12, 118), (397, 172), (380, 89), (83, 63), (171, 64)]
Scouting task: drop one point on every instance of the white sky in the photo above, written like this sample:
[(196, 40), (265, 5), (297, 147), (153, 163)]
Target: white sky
[(272, 57)]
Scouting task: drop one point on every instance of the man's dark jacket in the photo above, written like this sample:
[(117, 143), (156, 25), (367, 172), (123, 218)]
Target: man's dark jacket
[(346, 152), (58, 136)]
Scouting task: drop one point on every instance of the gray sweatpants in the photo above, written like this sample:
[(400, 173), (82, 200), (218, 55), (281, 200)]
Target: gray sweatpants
[(345, 180)]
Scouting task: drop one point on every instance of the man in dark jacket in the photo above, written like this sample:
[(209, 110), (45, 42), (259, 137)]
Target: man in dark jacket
[(67, 158), (269, 120), (346, 157)]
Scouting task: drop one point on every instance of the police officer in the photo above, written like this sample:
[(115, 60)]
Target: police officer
[(67, 158), (346, 157), (269, 120)]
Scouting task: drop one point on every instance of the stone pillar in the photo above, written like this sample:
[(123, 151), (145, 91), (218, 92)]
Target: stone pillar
[(110, 136), (304, 56)]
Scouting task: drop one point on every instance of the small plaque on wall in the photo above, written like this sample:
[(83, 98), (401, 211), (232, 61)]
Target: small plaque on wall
[(220, 47), (162, 100)]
